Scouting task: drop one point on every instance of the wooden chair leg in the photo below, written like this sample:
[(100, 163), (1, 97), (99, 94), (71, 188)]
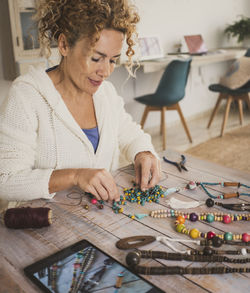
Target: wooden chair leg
[(240, 110), (163, 127), (229, 101), (144, 116), (183, 122), (162, 118), (247, 100), (221, 96)]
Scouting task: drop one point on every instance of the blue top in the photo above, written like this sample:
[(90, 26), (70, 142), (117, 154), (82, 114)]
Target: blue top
[(93, 136)]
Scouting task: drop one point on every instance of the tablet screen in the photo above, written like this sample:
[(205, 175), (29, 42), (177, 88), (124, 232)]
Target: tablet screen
[(83, 267)]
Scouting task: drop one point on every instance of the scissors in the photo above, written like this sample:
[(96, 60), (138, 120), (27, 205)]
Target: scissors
[(180, 166)]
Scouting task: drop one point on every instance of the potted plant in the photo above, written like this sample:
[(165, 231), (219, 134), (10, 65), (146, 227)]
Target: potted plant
[(239, 29)]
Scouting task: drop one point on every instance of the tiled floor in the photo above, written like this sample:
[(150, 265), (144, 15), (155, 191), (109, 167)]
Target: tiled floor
[(176, 136)]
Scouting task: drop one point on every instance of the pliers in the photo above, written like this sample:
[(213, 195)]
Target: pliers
[(179, 165)]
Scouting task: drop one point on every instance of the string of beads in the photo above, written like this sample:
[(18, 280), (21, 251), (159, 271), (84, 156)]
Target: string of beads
[(77, 265), (133, 260), (195, 233), (223, 184), (193, 217), (86, 263), (218, 242)]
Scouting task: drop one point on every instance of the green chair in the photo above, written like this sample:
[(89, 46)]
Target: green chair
[(170, 91), (238, 95)]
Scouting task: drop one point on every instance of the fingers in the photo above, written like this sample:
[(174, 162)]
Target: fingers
[(155, 173), (147, 170), (100, 183), (137, 174), (145, 174)]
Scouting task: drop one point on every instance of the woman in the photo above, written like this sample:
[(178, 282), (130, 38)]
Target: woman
[(66, 126)]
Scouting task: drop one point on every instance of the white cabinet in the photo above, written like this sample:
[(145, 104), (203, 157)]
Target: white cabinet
[(25, 37)]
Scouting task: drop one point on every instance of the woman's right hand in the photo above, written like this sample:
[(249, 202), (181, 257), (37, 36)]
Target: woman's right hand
[(98, 182)]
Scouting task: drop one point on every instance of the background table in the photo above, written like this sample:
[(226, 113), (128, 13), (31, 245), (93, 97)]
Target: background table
[(19, 248)]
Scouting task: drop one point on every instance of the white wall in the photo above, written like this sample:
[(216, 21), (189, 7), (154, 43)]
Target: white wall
[(170, 19)]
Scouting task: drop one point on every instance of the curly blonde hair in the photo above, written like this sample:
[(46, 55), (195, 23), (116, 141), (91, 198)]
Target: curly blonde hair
[(78, 19)]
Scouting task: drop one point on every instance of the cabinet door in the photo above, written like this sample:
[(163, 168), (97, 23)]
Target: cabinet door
[(23, 28), (25, 37)]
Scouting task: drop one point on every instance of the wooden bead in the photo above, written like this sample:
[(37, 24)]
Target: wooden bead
[(245, 237), (180, 219), (226, 219), (194, 233)]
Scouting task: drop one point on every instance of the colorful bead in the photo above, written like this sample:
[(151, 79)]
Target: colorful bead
[(180, 227), (210, 218), (140, 216), (245, 237), (228, 236), (193, 217), (226, 219), (210, 235), (194, 233), (94, 201), (191, 185), (180, 219)]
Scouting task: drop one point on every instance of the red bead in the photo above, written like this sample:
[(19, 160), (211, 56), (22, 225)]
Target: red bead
[(94, 201), (226, 219), (210, 235), (245, 237)]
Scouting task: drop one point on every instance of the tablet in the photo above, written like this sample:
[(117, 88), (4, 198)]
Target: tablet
[(82, 267)]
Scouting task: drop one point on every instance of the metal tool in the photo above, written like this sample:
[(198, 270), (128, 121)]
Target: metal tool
[(180, 166)]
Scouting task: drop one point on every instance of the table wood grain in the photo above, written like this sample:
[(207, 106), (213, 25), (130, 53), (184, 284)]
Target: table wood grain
[(71, 223)]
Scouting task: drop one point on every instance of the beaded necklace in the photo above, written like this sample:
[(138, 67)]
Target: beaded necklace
[(141, 240), (209, 217), (133, 260), (54, 277), (193, 217), (223, 184), (83, 268), (77, 266), (195, 233)]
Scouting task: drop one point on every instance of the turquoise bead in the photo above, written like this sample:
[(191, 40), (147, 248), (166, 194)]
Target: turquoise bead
[(210, 218), (228, 236)]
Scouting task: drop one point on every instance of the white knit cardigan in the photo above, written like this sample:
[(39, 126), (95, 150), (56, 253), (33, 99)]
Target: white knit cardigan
[(38, 134)]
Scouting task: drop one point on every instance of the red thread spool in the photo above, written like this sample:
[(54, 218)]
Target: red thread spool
[(26, 217)]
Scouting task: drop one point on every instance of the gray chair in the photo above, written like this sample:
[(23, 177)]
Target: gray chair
[(238, 95), (169, 92)]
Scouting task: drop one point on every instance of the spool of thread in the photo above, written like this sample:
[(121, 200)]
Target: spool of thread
[(27, 217)]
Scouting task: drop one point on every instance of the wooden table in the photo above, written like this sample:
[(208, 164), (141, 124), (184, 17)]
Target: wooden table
[(215, 56), (19, 248)]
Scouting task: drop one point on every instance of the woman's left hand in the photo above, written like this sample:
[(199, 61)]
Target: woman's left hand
[(147, 170)]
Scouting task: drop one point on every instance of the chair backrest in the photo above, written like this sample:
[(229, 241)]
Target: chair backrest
[(247, 54), (171, 88)]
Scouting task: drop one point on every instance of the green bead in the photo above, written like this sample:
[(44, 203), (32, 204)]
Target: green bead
[(228, 236), (210, 218), (180, 227)]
